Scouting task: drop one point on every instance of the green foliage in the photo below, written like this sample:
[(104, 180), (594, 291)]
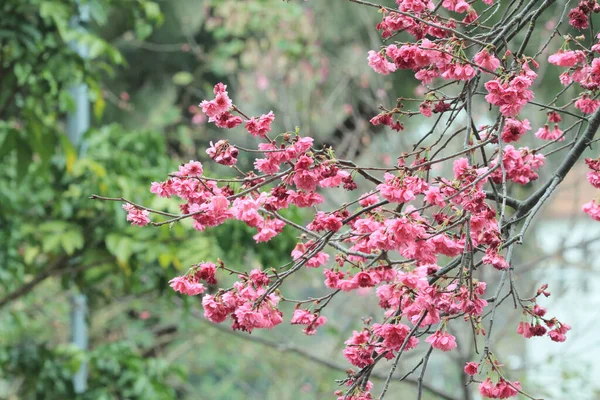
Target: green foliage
[(116, 371), (38, 67)]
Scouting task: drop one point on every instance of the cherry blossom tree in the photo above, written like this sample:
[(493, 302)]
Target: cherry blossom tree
[(420, 230)]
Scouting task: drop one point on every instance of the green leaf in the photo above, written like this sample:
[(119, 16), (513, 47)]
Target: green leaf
[(8, 144), (70, 152), (99, 106), (120, 246), (164, 259), (152, 10), (50, 243), (24, 155), (183, 78), (142, 29), (72, 240), (41, 143)]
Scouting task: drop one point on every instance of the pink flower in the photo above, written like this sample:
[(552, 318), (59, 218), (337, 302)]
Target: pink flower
[(587, 105), (269, 229), (303, 249), (554, 117), (335, 180), (368, 199), (425, 108), (363, 279), (416, 6), (592, 209), (567, 58), (386, 119), (246, 209), (136, 216), (593, 176), (486, 61), (559, 334), (394, 335), (501, 390), (513, 95), (459, 6), (332, 278), (565, 78), (207, 271), (260, 126), (492, 257), (223, 153), (324, 221), (401, 190), (471, 368), (305, 178), (305, 199), (358, 351), (539, 311), (347, 285), (304, 317), (514, 129), (380, 64), (185, 285), (486, 388), (433, 196), (578, 19), (442, 341), (193, 169), (163, 189), (546, 134), (525, 329), (219, 105), (520, 165), (461, 72), (301, 317), (226, 120), (259, 278), (214, 309), (267, 166)]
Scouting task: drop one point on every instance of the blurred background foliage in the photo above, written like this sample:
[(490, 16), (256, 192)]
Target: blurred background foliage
[(150, 63)]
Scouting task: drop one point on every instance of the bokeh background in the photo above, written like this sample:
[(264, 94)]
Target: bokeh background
[(148, 65)]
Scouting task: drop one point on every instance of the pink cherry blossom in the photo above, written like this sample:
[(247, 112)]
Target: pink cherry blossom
[(223, 152), (380, 64), (471, 368), (187, 285), (260, 126), (486, 61), (136, 216), (592, 209), (442, 341)]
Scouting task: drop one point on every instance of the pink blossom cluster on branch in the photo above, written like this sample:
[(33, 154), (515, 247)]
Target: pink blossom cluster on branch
[(418, 235)]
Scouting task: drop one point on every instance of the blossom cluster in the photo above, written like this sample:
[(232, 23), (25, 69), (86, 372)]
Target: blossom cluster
[(592, 208), (292, 172), (395, 238)]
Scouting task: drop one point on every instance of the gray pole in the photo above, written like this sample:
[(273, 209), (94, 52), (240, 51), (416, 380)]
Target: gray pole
[(78, 122), (79, 338)]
